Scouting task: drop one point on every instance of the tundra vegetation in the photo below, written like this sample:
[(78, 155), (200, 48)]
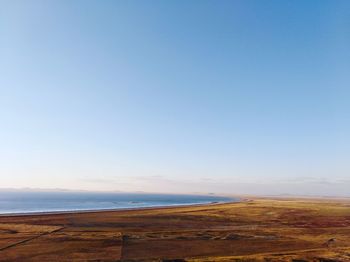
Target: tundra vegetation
[(255, 229)]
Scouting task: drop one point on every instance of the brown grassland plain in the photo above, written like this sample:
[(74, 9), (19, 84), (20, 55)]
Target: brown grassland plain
[(255, 229)]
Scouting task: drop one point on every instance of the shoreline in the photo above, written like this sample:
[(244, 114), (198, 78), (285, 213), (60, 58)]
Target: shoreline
[(86, 211), (235, 199), (212, 231)]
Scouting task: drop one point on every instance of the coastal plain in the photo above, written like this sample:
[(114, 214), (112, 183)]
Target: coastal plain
[(254, 229)]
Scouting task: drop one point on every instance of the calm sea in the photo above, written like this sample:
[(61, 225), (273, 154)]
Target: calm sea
[(28, 202)]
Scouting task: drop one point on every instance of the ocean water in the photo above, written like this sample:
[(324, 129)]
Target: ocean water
[(29, 202)]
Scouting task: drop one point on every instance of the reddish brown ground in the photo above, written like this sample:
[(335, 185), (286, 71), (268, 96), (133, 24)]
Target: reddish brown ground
[(255, 230)]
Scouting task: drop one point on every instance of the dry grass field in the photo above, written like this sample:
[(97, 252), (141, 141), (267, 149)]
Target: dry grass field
[(258, 229)]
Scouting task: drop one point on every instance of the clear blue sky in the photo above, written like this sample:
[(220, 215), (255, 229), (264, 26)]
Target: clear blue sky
[(176, 96)]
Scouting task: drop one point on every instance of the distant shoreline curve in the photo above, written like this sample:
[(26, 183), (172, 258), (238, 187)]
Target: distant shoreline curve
[(44, 213)]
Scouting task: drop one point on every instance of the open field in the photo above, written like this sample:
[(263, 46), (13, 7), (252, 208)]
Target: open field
[(258, 229)]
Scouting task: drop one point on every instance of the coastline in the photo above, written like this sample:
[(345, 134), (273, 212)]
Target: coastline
[(88, 211), (250, 229), (234, 199)]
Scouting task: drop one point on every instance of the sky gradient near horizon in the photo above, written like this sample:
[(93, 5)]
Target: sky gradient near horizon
[(176, 96)]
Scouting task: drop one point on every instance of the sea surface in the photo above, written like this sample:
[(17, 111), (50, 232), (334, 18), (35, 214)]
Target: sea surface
[(32, 202)]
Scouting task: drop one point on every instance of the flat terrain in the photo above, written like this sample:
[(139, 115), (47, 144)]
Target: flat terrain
[(256, 229)]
